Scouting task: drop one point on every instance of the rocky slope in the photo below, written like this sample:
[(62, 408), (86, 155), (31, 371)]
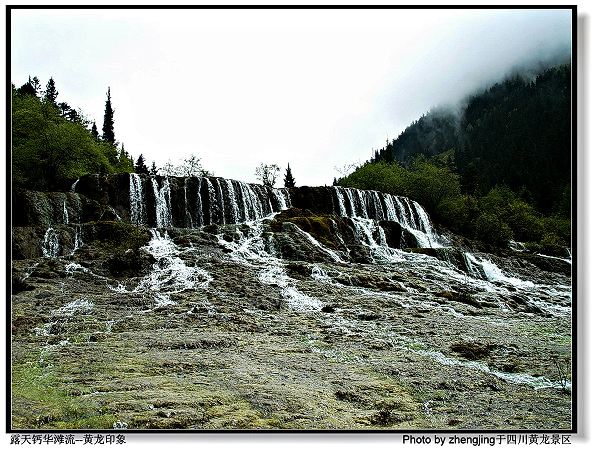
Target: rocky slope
[(299, 320)]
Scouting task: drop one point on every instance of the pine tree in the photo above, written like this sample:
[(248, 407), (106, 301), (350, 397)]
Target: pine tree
[(153, 169), (95, 131), (37, 87), (288, 180), (108, 128), (140, 166), (65, 109), (30, 88), (51, 93), (125, 163)]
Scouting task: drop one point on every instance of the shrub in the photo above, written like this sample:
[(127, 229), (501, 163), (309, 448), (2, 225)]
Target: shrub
[(489, 228)]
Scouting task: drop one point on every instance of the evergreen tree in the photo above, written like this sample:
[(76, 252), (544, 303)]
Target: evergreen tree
[(69, 113), (140, 166), (95, 131), (153, 169), (388, 155), (108, 130), (30, 88), (288, 180), (125, 163), (51, 93), (37, 87), (65, 109)]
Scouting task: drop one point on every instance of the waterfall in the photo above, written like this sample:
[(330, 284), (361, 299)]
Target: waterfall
[(51, 244), (376, 204), (232, 201), (212, 202), (244, 203), (379, 206), (189, 222), (362, 212), (350, 202), (163, 203), (405, 214), (282, 200), (136, 202), (78, 240), (199, 203), (168, 202), (340, 198), (65, 212), (219, 192), (390, 208), (251, 202), (487, 270), (234, 211)]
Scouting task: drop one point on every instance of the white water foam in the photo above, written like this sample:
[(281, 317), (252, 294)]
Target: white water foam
[(493, 273), (296, 300), (51, 244), (169, 274), (162, 198)]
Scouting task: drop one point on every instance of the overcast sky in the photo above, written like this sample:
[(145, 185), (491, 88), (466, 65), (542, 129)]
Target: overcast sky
[(318, 89)]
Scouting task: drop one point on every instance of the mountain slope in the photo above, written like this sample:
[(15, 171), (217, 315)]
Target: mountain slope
[(517, 134)]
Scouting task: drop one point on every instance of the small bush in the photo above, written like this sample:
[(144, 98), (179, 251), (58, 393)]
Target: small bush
[(490, 228)]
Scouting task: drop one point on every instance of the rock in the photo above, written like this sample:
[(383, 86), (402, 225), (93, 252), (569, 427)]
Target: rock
[(27, 242), (397, 236), (318, 199), (257, 325), (130, 263), (472, 350), (461, 297), (556, 265)]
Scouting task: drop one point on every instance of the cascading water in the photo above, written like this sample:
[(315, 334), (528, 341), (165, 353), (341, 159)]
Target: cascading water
[(65, 212), (78, 240), (482, 268), (377, 206), (212, 203), (199, 204), (136, 199), (231, 200), (215, 201), (51, 244), (189, 222), (162, 197), (252, 208), (170, 274), (221, 200)]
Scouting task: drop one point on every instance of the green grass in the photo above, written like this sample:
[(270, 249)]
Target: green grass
[(43, 405)]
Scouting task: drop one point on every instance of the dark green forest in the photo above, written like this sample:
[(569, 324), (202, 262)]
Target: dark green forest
[(496, 170), (53, 143)]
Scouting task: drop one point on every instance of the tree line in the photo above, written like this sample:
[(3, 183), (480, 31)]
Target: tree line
[(498, 171), (517, 134), (53, 143)]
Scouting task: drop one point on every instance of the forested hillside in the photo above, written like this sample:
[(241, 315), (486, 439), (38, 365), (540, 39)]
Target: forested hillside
[(498, 169), (52, 143)]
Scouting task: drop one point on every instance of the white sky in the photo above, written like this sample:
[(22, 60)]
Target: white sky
[(318, 89)]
